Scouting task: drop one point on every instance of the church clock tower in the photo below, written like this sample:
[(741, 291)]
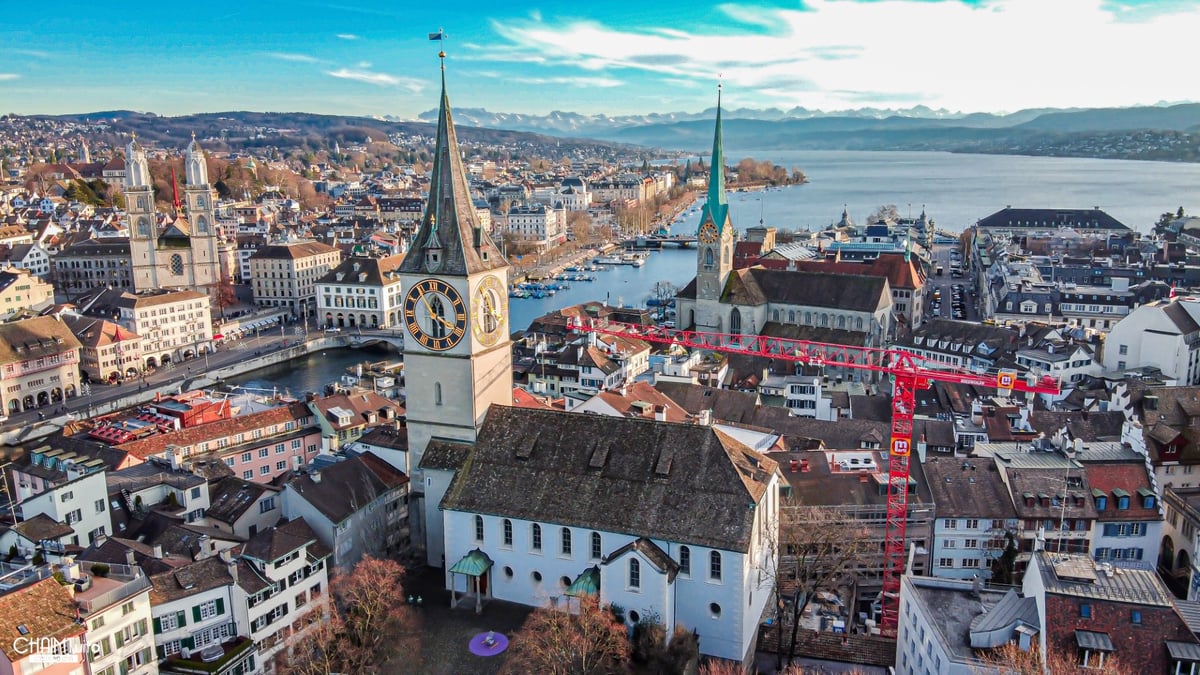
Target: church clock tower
[(714, 250), (457, 352), (143, 226)]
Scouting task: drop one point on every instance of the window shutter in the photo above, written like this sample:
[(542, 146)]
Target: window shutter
[(189, 642), (120, 638), (162, 653), (196, 614), (181, 618), (220, 605), (157, 629)]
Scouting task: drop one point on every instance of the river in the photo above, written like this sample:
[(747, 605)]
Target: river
[(956, 189)]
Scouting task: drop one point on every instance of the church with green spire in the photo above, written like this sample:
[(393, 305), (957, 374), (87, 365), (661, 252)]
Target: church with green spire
[(699, 304)]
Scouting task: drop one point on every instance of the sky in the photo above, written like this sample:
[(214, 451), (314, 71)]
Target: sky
[(616, 57)]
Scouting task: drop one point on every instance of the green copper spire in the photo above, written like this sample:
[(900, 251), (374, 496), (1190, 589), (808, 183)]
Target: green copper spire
[(716, 209)]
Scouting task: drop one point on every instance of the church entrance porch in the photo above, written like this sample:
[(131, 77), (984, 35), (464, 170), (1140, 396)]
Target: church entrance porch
[(475, 567)]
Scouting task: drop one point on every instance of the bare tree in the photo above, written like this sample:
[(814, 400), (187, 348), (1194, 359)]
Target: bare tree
[(887, 212), (558, 642), (1012, 660), (819, 549)]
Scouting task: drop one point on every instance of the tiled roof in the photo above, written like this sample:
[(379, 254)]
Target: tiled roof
[(44, 609), (682, 483), (1087, 219), (727, 405), (190, 436), (41, 527), (445, 455), (292, 251), (623, 400), (276, 542), (231, 497), (1086, 426), (1129, 477), (854, 293), (35, 338)]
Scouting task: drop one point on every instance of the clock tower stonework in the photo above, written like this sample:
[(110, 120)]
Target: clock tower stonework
[(457, 351)]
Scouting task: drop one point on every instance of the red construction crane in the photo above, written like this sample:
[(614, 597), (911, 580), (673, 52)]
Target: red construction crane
[(908, 375)]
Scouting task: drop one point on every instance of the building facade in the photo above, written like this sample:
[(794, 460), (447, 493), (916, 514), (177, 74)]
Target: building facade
[(286, 274), (362, 292), (39, 364)]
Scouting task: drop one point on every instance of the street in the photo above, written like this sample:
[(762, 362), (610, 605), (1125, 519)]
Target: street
[(945, 285)]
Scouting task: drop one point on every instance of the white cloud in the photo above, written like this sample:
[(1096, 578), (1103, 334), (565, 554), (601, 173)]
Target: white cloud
[(1003, 55), (8, 76), (585, 81), (298, 58), (378, 79), (347, 36)]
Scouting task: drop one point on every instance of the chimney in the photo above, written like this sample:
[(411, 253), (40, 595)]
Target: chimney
[(705, 418), (660, 413), (130, 557), (231, 567), (316, 476), (158, 552)]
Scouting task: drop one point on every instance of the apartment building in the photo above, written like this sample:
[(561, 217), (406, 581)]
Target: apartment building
[(107, 352), (114, 605), (20, 291), (362, 292), (173, 325), (39, 364), (286, 274)]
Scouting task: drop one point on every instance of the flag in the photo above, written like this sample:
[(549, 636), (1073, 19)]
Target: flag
[(1172, 291), (440, 35)]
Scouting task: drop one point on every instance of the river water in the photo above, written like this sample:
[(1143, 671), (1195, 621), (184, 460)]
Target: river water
[(956, 190)]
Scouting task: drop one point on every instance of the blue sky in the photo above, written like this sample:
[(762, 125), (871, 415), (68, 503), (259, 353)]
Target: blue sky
[(364, 57)]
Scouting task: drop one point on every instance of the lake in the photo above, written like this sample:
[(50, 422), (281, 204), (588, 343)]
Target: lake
[(959, 189)]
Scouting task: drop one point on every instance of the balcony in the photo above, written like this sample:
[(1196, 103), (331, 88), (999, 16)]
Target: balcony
[(120, 583), (234, 652)]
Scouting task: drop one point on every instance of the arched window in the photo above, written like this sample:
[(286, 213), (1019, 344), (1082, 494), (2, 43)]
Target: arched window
[(709, 262), (437, 393), (479, 529), (507, 532), (858, 324), (714, 565), (437, 318), (842, 322), (635, 573), (536, 537), (824, 321), (143, 227), (735, 321), (565, 547), (177, 264), (597, 552), (775, 315), (685, 560), (808, 319), (791, 316), (202, 225)]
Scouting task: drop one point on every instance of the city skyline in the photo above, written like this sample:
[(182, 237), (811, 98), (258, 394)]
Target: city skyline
[(622, 58)]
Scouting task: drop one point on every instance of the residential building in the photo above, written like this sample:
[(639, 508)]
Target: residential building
[(173, 325), (559, 516), (115, 607), (154, 486), (84, 266), (1179, 557), (21, 291), (257, 446), (108, 352), (41, 613), (388, 442), (1164, 334), (39, 358), (282, 578), (81, 502), (286, 274), (1096, 308), (947, 625), (44, 466), (242, 507), (32, 257), (636, 399), (1053, 500), (363, 292), (1163, 423), (1094, 612), (343, 418), (1129, 514), (1016, 221), (194, 615), (537, 224), (974, 516), (356, 507)]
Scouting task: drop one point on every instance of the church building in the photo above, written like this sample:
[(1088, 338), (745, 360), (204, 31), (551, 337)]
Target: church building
[(183, 254)]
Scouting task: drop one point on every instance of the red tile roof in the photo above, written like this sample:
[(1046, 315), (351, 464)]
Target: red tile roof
[(1128, 477), (190, 436)]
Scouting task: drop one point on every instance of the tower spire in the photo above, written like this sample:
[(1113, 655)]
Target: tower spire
[(175, 192), (716, 208), (451, 239)]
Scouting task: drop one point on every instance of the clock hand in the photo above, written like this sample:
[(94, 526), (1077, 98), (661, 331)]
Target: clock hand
[(434, 315)]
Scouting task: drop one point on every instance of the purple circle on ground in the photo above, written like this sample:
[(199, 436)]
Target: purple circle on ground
[(488, 644)]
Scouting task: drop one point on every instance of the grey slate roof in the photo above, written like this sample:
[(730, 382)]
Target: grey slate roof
[(675, 482), (1011, 611), (727, 405), (191, 579), (276, 542), (969, 487), (846, 292), (347, 486), (230, 498), (651, 551), (1084, 219)]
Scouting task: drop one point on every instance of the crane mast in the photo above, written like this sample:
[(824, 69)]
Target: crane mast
[(908, 375)]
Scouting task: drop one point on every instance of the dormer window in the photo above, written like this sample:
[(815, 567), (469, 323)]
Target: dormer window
[(1101, 502), (1148, 498)]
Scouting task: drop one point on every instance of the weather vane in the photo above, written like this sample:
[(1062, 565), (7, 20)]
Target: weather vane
[(440, 36)]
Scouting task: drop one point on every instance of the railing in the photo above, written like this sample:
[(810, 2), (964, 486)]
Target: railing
[(125, 590)]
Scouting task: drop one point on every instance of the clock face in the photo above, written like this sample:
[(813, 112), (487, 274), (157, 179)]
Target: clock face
[(435, 314), (489, 310), (708, 233)]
